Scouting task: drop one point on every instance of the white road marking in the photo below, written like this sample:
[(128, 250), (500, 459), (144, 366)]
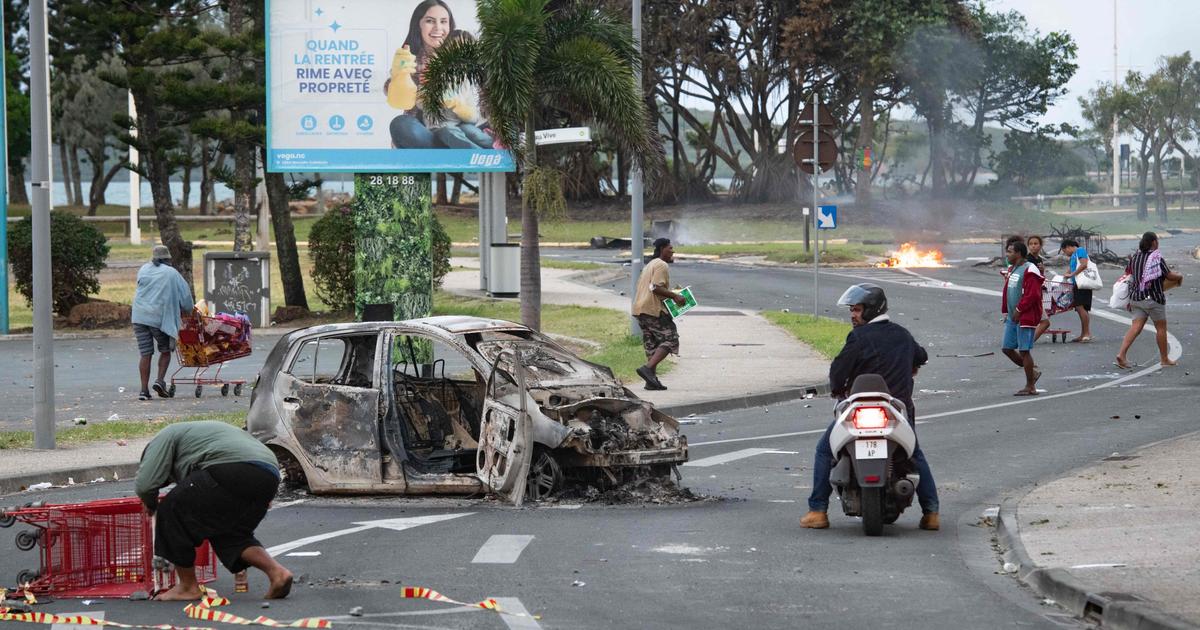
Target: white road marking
[(564, 506), (395, 524), (304, 554), (502, 549), (725, 458), (1174, 352), (98, 615), (514, 605)]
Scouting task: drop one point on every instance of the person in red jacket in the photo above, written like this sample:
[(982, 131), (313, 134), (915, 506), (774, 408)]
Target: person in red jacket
[(1021, 303)]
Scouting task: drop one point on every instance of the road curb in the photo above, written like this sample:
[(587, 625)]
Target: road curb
[(1111, 610), (81, 475), (749, 400)]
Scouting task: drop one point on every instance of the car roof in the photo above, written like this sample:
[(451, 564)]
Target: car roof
[(452, 324)]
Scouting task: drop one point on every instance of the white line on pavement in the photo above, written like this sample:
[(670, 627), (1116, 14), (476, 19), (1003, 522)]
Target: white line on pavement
[(395, 524), (502, 549), (514, 605), (304, 554), (725, 458)]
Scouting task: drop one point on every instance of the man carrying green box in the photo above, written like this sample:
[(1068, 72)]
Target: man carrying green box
[(659, 335)]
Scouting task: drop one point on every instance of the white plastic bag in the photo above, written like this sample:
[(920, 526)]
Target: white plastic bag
[(1120, 294), (1089, 279)]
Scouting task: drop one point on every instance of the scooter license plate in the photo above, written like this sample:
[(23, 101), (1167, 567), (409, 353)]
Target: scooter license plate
[(870, 449)]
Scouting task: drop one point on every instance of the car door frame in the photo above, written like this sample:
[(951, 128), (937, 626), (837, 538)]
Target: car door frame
[(506, 428)]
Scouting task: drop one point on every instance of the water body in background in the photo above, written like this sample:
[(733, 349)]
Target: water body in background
[(117, 193)]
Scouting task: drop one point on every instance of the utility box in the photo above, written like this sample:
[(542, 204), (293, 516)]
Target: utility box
[(239, 282), (504, 272)]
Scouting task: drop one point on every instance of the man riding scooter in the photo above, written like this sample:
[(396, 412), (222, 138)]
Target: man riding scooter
[(875, 345)]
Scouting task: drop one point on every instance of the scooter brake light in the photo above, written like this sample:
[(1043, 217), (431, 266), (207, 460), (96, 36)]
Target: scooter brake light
[(870, 418)]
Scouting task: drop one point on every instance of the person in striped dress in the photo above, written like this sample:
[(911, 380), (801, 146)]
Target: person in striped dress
[(1147, 299)]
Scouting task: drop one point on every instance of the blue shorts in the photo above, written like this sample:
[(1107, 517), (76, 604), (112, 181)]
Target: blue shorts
[(1017, 337)]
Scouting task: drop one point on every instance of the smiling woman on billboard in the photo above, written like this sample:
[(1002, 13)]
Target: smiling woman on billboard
[(343, 89)]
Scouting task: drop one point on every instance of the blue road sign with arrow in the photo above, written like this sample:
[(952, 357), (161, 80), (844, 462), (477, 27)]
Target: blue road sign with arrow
[(826, 217)]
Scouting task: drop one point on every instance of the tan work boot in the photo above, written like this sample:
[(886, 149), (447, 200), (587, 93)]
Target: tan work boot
[(815, 520), (929, 521)]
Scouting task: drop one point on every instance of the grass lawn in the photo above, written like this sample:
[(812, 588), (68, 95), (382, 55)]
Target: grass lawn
[(825, 334), (618, 350), (105, 431), (789, 252)]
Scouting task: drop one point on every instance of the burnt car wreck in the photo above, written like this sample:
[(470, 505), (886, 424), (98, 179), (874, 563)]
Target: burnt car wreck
[(452, 405)]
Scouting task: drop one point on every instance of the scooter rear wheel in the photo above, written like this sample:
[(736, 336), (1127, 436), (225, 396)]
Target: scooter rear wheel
[(872, 511)]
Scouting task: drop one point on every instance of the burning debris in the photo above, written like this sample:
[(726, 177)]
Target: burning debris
[(909, 256)]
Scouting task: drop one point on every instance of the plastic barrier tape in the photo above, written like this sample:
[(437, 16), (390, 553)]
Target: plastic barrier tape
[(420, 592)]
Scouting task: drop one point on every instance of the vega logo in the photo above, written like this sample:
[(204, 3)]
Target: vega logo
[(484, 159)]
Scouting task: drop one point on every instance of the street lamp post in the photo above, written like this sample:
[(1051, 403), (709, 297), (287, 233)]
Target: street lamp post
[(43, 324)]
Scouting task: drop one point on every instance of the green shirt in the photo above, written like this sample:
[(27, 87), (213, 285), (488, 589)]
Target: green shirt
[(183, 448)]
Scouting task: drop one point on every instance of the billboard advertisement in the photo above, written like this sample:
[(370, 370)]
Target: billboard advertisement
[(342, 85)]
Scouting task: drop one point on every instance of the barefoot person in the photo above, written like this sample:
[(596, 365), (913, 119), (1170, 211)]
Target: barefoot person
[(1147, 298), (224, 481), (1082, 298), (660, 337), (1022, 308)]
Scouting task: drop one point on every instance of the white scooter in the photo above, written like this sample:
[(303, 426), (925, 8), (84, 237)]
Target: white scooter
[(872, 444)]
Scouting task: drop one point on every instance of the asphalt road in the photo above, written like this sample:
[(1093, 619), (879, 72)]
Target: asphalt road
[(739, 558)]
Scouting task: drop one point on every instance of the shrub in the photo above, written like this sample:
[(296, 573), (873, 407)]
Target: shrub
[(331, 245), (77, 254)]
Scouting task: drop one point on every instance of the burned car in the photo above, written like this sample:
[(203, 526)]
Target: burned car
[(451, 405)]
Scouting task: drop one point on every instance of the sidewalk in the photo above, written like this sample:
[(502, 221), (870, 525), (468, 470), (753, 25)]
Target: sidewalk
[(724, 353), (83, 463), (1117, 539)]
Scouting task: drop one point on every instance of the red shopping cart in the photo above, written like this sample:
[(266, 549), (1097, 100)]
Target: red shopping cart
[(206, 342), (96, 549)]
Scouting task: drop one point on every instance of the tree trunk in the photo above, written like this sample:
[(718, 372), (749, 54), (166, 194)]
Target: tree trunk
[(285, 240), (243, 196), (440, 199), (456, 190), (76, 174), (866, 141), (187, 187), (17, 194), (218, 164), (1143, 213), (1160, 190), (158, 171), (205, 178), (531, 264), (100, 180), (65, 173)]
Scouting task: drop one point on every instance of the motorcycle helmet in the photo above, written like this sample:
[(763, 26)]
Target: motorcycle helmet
[(872, 298)]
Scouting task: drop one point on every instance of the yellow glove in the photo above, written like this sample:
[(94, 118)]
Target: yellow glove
[(402, 91), (462, 108)]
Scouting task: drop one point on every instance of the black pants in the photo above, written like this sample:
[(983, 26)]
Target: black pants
[(222, 504)]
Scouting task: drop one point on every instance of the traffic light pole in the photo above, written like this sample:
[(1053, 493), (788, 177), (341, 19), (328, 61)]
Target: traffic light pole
[(816, 164)]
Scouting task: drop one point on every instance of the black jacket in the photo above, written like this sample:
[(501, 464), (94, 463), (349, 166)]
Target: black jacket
[(882, 348)]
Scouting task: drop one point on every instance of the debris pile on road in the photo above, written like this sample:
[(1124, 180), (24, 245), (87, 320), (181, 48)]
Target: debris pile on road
[(640, 489)]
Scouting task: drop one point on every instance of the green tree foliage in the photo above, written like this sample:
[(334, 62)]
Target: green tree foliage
[(529, 56), (78, 251), (1030, 156)]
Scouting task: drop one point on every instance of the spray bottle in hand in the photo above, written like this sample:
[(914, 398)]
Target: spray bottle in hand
[(402, 91)]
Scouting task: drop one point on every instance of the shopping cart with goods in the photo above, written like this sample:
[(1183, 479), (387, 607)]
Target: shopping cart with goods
[(96, 549), (208, 342)]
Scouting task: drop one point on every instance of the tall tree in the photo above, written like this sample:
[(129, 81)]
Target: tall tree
[(529, 56)]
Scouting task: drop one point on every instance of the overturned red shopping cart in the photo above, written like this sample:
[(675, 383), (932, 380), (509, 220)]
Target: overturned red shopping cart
[(210, 342), (96, 549)]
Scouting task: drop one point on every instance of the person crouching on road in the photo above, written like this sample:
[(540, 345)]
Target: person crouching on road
[(876, 345), (660, 337), (161, 299), (224, 482), (1022, 308)]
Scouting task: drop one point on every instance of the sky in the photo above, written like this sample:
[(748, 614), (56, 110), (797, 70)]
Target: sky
[(1146, 30)]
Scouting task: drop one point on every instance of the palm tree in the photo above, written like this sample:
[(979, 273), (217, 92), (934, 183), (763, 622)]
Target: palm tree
[(535, 54)]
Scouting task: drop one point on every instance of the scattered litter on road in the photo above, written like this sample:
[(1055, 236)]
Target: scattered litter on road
[(357, 611), (45, 485), (80, 421), (139, 596), (120, 390), (121, 443), (1115, 418), (1010, 567), (1031, 419), (578, 583), (265, 605), (938, 391), (690, 421), (114, 418), (1049, 602)]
